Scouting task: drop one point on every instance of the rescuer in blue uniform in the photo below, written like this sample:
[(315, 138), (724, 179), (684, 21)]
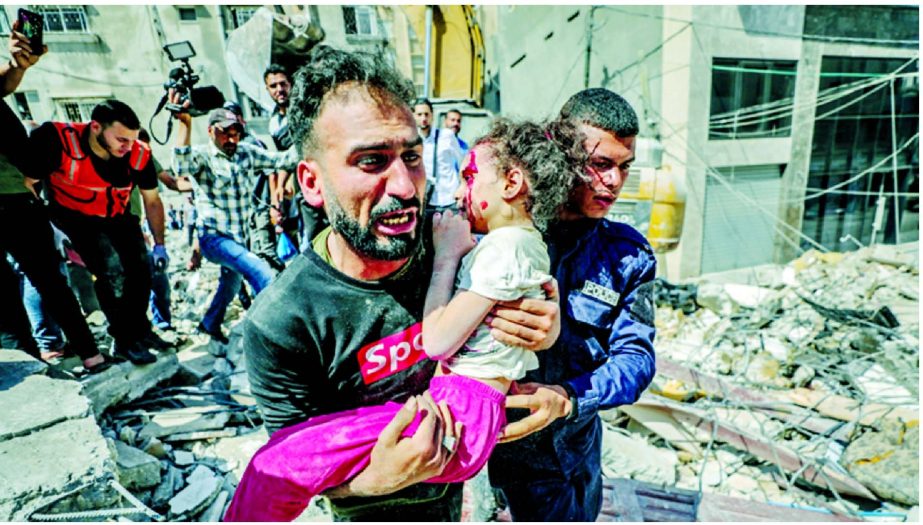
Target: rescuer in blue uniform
[(605, 354)]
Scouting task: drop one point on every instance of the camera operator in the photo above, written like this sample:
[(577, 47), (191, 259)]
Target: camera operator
[(26, 234), (219, 172), (90, 170)]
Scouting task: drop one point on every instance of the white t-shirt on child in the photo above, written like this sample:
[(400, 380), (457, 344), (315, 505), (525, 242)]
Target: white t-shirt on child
[(507, 264)]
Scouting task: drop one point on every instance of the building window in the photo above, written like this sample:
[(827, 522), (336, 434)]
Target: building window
[(242, 14), (64, 19), (751, 98), (360, 20), (22, 105), (851, 154), (187, 14), (77, 110)]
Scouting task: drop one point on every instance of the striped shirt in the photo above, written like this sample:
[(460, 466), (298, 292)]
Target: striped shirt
[(222, 185)]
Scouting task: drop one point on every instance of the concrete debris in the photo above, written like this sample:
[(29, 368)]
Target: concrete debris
[(888, 461), (215, 511), (195, 497), (38, 416), (135, 468), (180, 421), (634, 458), (812, 367), (183, 458), (126, 382)]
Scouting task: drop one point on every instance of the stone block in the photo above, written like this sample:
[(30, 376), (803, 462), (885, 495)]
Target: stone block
[(136, 469), (16, 365), (195, 497), (40, 467), (38, 401), (183, 458), (196, 361), (215, 511), (126, 382), (182, 421), (165, 491)]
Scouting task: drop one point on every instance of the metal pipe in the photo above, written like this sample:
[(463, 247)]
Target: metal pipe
[(897, 211), (429, 50), (589, 48)]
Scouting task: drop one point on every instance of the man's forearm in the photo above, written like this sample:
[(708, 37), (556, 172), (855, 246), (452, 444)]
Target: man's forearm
[(11, 76), (153, 208)]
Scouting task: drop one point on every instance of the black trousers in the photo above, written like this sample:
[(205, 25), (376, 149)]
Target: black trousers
[(26, 234), (114, 252)]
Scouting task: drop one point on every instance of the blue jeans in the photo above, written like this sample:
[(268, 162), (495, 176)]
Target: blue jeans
[(237, 263), (160, 296), (45, 331)]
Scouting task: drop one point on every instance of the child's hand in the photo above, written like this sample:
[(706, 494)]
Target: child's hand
[(451, 235)]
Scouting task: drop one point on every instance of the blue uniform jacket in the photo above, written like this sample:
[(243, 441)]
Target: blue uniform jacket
[(604, 355)]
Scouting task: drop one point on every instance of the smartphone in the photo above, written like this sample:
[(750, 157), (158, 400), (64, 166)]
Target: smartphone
[(32, 25)]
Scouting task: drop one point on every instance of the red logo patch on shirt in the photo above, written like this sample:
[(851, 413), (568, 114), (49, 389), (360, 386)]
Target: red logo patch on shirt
[(392, 354)]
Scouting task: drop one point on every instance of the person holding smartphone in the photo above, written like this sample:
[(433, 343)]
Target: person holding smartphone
[(32, 246)]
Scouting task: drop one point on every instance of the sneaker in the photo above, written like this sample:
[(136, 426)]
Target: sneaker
[(135, 352), (215, 334), (154, 341)]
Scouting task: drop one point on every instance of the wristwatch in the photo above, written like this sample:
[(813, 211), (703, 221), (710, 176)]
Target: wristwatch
[(573, 402)]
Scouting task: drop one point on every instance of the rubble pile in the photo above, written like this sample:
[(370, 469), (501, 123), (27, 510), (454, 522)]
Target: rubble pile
[(794, 385)]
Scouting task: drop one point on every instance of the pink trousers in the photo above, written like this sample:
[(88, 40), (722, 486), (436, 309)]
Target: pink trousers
[(301, 461)]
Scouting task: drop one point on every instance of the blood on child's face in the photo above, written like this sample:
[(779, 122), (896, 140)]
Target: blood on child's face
[(478, 194)]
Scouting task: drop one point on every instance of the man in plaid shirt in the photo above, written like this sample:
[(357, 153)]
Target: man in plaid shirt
[(219, 172)]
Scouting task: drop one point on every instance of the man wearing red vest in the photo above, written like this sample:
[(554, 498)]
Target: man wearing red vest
[(90, 170)]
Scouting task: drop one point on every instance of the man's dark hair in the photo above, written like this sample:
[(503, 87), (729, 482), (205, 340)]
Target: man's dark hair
[(453, 110), (603, 109), (275, 69), (112, 110), (143, 135), (423, 100), (551, 156), (328, 68)]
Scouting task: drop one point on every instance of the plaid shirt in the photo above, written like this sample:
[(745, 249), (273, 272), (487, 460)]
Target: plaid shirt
[(222, 195)]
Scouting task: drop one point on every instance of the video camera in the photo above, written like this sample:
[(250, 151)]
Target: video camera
[(183, 80)]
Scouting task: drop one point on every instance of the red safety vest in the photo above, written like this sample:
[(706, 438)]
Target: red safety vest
[(76, 185)]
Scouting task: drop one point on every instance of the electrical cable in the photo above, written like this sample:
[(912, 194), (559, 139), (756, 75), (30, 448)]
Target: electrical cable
[(833, 39)]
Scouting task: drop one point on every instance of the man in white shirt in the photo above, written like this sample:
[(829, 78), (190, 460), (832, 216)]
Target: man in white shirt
[(442, 156)]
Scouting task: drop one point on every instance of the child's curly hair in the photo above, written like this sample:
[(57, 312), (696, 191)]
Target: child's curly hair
[(550, 154)]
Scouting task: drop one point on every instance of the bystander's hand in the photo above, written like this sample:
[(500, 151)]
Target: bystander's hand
[(545, 403), (22, 55), (160, 257), (195, 260)]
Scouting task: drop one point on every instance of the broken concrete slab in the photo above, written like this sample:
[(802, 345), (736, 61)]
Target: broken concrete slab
[(16, 365), (183, 458), (183, 420), (632, 457), (35, 470), (201, 434), (199, 474), (215, 511), (126, 382), (888, 462), (135, 468), (195, 497), (196, 361), (238, 450), (165, 490), (38, 401)]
